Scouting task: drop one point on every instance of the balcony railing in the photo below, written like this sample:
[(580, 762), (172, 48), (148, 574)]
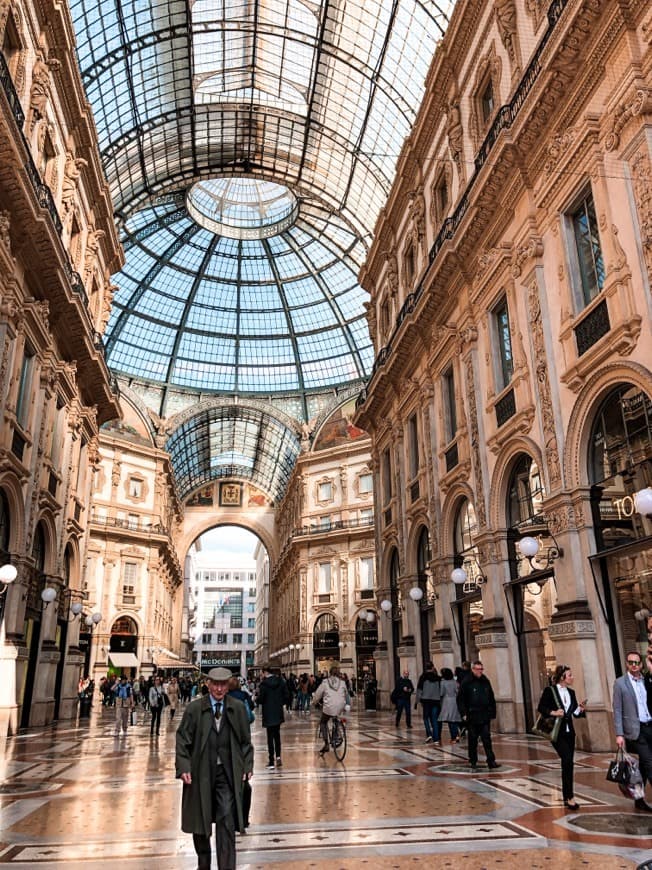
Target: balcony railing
[(143, 524), (335, 525), (504, 119)]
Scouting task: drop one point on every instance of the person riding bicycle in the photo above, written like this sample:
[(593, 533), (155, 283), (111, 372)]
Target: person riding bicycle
[(333, 695)]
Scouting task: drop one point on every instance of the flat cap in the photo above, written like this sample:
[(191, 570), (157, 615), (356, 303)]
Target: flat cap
[(219, 675)]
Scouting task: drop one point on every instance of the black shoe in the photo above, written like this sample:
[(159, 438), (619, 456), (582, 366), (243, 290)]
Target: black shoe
[(323, 751), (494, 765), (474, 768), (642, 806), (571, 805)]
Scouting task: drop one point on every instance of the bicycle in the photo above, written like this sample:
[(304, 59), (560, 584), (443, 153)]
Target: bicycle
[(336, 737)]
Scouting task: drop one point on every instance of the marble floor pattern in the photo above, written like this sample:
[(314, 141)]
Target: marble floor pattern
[(76, 797)]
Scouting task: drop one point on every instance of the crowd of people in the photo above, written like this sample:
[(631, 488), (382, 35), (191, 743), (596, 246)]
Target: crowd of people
[(214, 754)]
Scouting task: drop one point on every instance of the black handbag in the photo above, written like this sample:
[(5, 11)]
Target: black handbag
[(619, 771)]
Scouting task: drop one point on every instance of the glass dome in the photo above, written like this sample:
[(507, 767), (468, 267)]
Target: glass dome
[(242, 208), (232, 315)]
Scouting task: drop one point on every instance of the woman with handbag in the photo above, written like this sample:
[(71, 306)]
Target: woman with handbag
[(559, 701)]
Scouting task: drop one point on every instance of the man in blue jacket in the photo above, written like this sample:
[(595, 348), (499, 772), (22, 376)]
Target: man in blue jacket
[(477, 706)]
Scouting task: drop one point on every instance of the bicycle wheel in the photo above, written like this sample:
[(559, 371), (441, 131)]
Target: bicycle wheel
[(338, 739)]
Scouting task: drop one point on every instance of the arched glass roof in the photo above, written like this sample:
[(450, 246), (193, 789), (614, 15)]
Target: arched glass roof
[(233, 442), (315, 95)]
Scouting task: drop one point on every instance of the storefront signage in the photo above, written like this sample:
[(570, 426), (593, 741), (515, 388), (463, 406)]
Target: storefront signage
[(624, 506), (226, 660)]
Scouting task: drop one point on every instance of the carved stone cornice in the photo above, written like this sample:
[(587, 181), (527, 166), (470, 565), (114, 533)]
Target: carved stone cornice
[(638, 103)]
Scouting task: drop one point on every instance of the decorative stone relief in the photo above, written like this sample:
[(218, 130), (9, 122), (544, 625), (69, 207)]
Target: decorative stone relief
[(39, 93), (628, 109), (507, 28), (536, 9), (107, 303), (417, 213), (543, 387), (642, 181), (532, 249), (455, 133), (71, 173), (391, 272), (90, 256), (5, 223), (475, 444), (584, 628), (556, 149), (561, 519)]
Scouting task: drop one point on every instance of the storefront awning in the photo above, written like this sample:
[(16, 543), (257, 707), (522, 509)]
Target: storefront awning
[(123, 660)]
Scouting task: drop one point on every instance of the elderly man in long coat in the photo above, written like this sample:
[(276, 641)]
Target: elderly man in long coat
[(214, 756)]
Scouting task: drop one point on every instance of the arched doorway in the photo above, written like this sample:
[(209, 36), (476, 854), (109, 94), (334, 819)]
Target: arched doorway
[(366, 641), (619, 466), (123, 646), (325, 642), (33, 616)]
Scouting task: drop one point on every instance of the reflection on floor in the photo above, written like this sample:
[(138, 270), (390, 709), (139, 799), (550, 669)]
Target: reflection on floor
[(73, 797)]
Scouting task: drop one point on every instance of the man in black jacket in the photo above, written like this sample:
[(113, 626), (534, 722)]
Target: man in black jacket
[(478, 707), (273, 695)]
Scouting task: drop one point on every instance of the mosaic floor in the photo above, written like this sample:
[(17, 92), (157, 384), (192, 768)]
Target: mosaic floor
[(73, 797)]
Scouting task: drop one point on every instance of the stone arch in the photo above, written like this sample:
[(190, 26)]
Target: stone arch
[(418, 522), (449, 511), (72, 546), (581, 419), (193, 527), (127, 614), (501, 475), (390, 545), (139, 408), (47, 521), (10, 485)]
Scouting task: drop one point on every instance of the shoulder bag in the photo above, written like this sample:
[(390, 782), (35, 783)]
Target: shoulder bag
[(549, 726)]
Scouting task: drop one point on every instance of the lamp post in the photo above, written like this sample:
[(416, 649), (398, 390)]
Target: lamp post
[(8, 574)]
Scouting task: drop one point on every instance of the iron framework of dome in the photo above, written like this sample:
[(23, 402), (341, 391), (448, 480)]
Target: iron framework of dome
[(315, 96)]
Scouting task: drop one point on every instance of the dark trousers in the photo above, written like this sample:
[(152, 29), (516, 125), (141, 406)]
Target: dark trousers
[(431, 718), (224, 815), (565, 747), (480, 730), (156, 720), (273, 742), (643, 748), (404, 704)]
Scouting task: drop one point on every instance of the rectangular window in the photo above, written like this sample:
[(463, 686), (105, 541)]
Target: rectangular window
[(237, 638), (413, 440), (366, 515), (365, 484), (504, 342), (324, 578), (450, 409), (25, 386), (132, 521), (588, 250), (135, 487), (206, 638), (325, 491), (409, 261), (366, 573), (387, 476), (251, 638), (487, 101), (325, 522), (251, 623), (220, 638), (252, 592)]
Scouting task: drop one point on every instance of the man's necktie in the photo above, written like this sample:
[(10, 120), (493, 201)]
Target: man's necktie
[(218, 714)]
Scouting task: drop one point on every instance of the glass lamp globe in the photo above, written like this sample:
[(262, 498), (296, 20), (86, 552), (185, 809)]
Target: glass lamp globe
[(96, 617), (48, 594), (76, 607), (528, 546), (8, 574), (643, 501), (416, 593), (386, 605), (459, 576), (371, 616), (89, 620)]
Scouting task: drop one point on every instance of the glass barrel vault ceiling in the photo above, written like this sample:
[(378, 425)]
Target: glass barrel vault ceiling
[(315, 96)]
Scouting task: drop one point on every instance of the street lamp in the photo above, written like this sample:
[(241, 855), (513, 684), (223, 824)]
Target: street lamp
[(386, 605), (48, 595), (76, 608), (8, 574), (459, 576), (416, 594), (643, 501)]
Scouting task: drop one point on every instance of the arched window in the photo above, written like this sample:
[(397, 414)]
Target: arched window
[(423, 553), (326, 634), (366, 633), (466, 551), (124, 635), (38, 548), (5, 523), (526, 492), (621, 439)]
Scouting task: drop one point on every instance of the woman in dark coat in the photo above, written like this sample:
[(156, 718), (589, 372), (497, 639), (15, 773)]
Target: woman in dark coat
[(559, 701)]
